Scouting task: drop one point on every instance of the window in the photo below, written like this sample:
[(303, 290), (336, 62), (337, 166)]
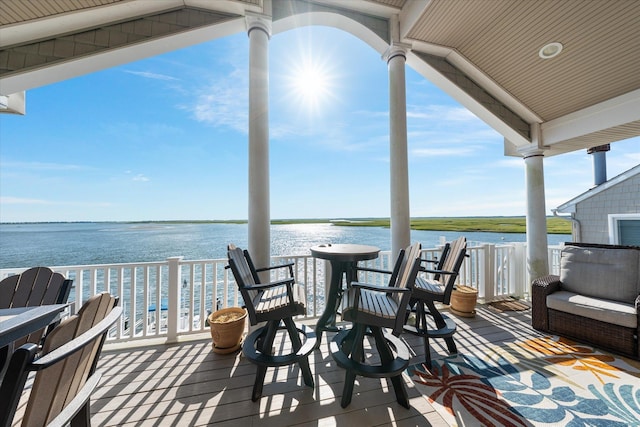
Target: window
[(624, 229)]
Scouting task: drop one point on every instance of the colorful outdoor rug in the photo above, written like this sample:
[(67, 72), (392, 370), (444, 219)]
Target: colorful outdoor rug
[(547, 381)]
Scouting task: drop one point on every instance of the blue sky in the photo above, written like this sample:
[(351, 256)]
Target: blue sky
[(165, 138)]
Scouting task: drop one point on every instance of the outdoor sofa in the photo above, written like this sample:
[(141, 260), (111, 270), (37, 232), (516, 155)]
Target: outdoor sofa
[(596, 298)]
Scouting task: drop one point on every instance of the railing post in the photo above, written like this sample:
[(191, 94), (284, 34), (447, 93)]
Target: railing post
[(519, 268), (173, 299), (488, 272)]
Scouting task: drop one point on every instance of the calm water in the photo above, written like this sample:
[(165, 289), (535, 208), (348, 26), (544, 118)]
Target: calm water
[(26, 245)]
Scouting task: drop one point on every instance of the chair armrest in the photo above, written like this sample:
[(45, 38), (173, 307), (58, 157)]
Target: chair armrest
[(273, 267), (379, 288), (77, 343), (540, 288), (262, 286), (288, 265), (373, 270), (546, 285), (428, 270)]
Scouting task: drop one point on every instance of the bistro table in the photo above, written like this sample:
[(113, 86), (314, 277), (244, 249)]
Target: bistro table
[(19, 322), (343, 259)]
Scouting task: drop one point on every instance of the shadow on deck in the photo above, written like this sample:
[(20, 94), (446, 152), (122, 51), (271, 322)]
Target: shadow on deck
[(189, 384)]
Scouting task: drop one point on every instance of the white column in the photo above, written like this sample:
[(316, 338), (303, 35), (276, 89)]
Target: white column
[(537, 256), (400, 215), (259, 29)]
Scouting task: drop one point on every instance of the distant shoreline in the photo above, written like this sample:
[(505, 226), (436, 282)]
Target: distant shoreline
[(494, 224)]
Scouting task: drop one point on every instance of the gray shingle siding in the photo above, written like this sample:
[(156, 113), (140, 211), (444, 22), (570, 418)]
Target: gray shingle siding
[(592, 213)]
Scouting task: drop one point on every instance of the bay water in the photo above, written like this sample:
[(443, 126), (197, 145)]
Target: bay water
[(83, 243)]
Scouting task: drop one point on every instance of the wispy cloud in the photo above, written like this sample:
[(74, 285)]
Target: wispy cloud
[(447, 131), (440, 113), (510, 162), (448, 152), (41, 166), (224, 103), (140, 178), (150, 75), (136, 177), (8, 200)]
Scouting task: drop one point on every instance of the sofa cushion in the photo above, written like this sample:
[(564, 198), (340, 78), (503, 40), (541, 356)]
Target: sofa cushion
[(608, 311), (601, 272)]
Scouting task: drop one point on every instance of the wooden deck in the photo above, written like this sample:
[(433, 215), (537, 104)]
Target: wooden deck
[(188, 384)]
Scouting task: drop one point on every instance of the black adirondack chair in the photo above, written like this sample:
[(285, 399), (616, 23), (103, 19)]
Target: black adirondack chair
[(429, 290), (373, 309), (275, 303)]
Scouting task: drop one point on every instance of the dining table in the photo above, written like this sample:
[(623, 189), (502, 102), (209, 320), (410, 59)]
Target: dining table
[(343, 258), (19, 322)]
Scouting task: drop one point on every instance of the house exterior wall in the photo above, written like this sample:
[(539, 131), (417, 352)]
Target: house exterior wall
[(592, 213)]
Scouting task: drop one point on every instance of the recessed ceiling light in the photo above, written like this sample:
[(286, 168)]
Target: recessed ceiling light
[(550, 50)]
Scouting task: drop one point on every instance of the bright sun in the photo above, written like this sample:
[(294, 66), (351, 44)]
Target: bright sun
[(311, 84)]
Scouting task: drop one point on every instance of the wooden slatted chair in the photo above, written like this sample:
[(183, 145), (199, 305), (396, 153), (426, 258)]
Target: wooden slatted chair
[(427, 291), (275, 303), (65, 371), (373, 309), (35, 286)]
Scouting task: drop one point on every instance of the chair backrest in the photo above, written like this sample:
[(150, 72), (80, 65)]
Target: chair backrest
[(33, 287), (65, 373), (393, 279), (443, 258), (245, 275), (411, 253), (243, 269), (452, 263), (410, 265)]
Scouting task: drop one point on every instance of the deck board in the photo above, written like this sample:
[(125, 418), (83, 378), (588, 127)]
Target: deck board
[(189, 384)]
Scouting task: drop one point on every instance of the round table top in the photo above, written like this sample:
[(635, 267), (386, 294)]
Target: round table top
[(345, 252)]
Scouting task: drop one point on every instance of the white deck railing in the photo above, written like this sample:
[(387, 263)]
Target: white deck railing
[(184, 292)]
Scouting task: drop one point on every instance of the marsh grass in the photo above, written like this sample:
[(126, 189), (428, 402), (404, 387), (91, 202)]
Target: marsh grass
[(488, 224), (498, 224)]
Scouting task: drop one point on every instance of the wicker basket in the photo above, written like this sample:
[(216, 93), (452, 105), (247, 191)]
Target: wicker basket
[(227, 334), (463, 301)]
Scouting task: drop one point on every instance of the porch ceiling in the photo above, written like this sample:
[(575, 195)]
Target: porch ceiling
[(483, 53)]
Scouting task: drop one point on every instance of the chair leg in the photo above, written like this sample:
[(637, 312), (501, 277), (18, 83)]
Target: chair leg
[(265, 347), (441, 323), (451, 345), (347, 391), (386, 357), (356, 352), (427, 351), (357, 349), (437, 316), (297, 344), (421, 327)]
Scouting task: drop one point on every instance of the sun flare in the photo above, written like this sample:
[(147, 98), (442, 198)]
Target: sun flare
[(311, 84)]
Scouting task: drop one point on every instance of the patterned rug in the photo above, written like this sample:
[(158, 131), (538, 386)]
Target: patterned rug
[(547, 381)]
